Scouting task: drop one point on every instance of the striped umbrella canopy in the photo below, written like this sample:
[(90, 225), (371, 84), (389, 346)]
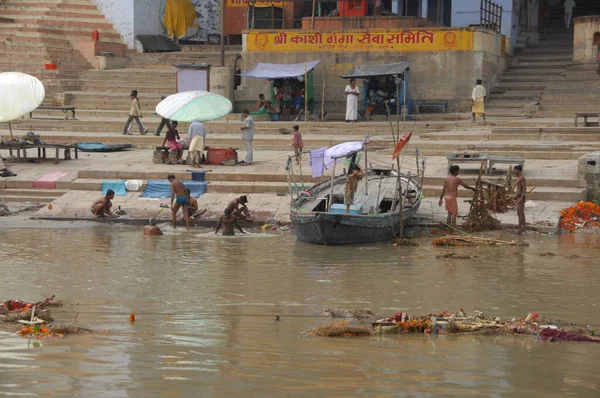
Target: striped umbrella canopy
[(194, 105), (20, 94)]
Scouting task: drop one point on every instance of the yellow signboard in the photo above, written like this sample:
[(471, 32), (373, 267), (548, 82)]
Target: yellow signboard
[(255, 3), (359, 41)]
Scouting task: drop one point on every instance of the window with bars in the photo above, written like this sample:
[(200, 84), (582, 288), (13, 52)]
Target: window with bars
[(490, 15)]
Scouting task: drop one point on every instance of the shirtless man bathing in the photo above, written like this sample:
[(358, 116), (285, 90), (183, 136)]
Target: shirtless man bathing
[(101, 207), (152, 229), (179, 196), (228, 221), (520, 199), (193, 210), (239, 209), (450, 194)]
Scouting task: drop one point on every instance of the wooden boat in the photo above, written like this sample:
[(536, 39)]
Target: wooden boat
[(318, 214)]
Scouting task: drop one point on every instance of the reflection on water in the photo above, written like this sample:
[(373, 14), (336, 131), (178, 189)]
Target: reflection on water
[(205, 308)]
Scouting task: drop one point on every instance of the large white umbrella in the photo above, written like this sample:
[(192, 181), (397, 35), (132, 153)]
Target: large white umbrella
[(188, 106), (20, 94)]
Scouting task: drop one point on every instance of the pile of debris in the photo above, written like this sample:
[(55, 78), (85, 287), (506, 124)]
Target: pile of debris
[(580, 216), (479, 217), (459, 323), (35, 319), (470, 240)]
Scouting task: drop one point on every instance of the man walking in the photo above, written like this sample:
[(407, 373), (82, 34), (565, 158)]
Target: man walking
[(478, 101), (568, 5), (163, 122), (247, 136), (520, 202)]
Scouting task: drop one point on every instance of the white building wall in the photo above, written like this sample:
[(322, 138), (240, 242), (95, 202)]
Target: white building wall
[(148, 17), (120, 14), (144, 17)]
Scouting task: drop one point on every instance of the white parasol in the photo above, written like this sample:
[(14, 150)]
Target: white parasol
[(194, 105), (19, 94)]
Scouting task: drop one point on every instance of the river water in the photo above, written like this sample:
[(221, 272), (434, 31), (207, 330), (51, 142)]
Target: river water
[(173, 350)]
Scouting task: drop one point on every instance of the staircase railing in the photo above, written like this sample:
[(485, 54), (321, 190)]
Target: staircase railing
[(490, 15)]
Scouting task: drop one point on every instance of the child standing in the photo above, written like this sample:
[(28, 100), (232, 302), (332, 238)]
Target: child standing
[(297, 143)]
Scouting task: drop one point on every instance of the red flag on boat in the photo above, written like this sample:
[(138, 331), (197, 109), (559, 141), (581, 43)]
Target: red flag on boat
[(403, 141)]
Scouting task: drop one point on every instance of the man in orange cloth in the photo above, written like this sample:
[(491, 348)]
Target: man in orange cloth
[(450, 194)]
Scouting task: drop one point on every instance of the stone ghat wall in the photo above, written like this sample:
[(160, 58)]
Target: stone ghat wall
[(437, 74), (578, 89)]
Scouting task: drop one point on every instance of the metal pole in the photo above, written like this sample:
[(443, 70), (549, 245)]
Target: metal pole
[(305, 94), (331, 194), (397, 93), (323, 93), (294, 176), (404, 99), (378, 193), (366, 184), (301, 176), (400, 199), (222, 38), (289, 179)]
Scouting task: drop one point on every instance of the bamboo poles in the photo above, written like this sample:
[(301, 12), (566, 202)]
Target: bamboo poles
[(331, 194)]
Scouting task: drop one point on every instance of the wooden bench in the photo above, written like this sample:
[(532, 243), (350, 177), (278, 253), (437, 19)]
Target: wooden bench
[(64, 109), (442, 105), (585, 119), (18, 147), (505, 159), (468, 157)]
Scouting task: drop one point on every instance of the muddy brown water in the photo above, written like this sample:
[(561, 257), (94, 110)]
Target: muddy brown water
[(173, 351)]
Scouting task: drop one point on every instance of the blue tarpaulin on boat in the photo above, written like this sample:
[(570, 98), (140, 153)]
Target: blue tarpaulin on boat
[(160, 189), (116, 185)]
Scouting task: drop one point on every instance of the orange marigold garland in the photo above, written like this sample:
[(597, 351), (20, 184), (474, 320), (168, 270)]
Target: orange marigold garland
[(582, 215)]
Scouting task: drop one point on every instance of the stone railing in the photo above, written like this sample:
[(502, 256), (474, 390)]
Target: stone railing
[(586, 40)]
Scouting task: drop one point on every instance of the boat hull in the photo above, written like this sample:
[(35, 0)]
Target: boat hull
[(342, 229)]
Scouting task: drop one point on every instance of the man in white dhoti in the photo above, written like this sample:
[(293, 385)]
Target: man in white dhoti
[(478, 101), (197, 137), (247, 137), (568, 5), (352, 92)]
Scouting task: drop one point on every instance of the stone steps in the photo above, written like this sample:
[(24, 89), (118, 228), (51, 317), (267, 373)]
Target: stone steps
[(526, 78), (503, 104), (57, 34), (541, 65), (43, 30), (554, 193), (521, 86), (516, 94), (127, 74), (60, 23), (545, 58), (516, 71), (549, 150), (41, 196)]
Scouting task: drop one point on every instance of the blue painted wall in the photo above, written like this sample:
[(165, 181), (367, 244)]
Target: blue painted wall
[(466, 12)]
